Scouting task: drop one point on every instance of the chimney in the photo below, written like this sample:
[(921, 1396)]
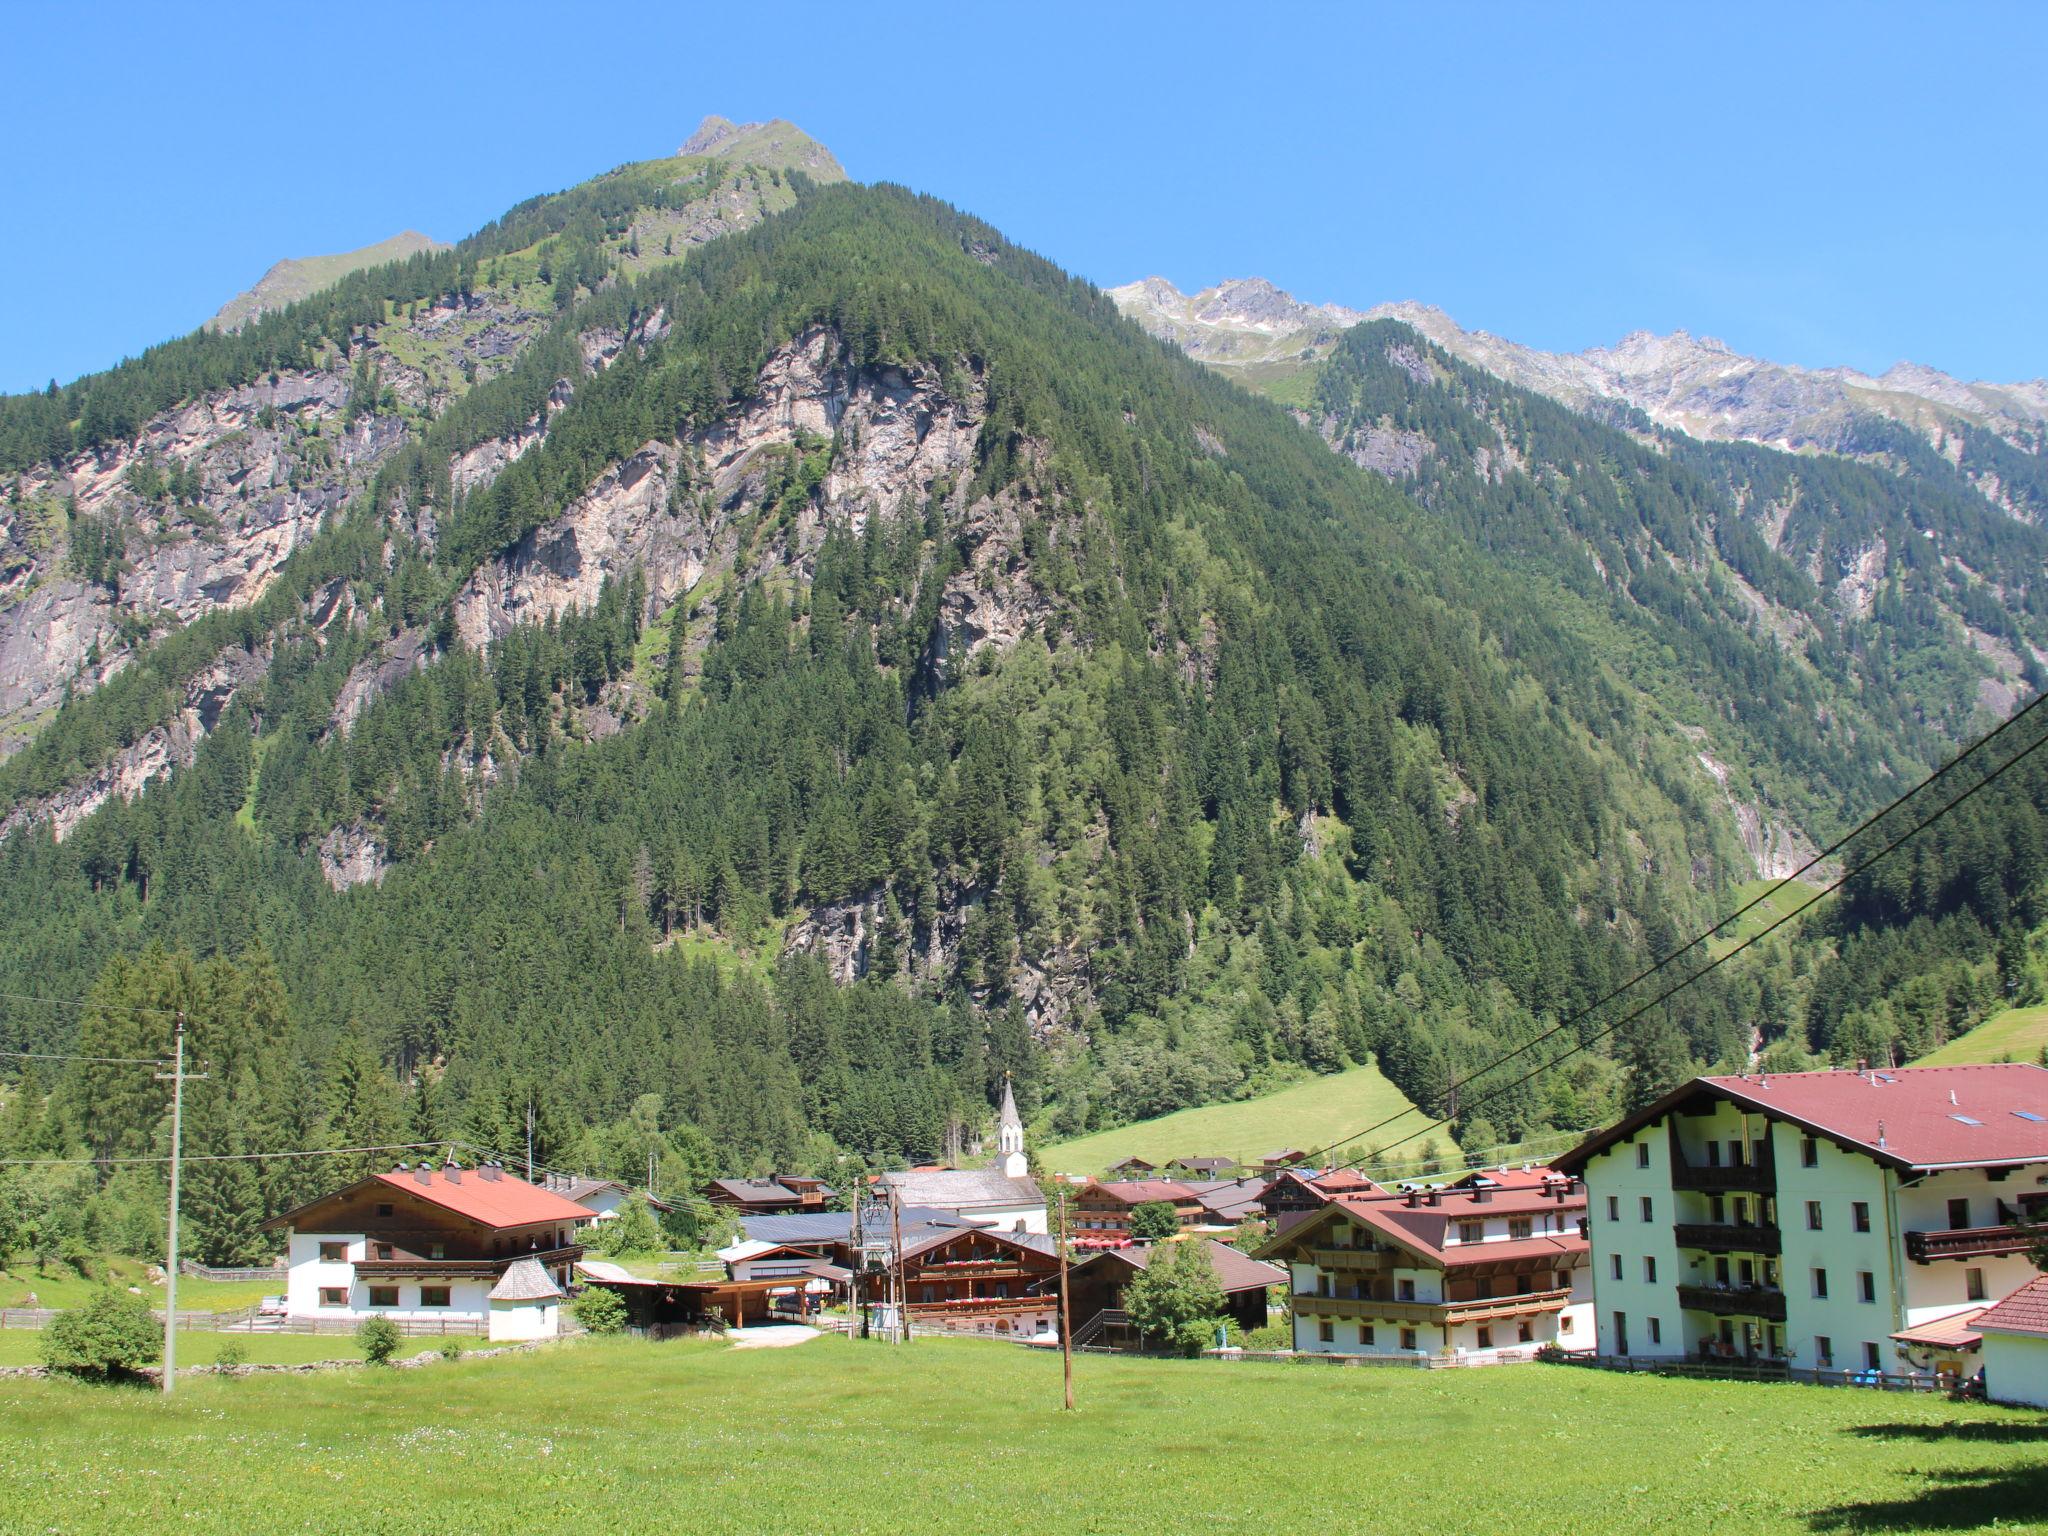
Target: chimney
[(423, 1174), (1482, 1196), (1436, 1197), (451, 1170), (1413, 1199), (1880, 1136), (488, 1172)]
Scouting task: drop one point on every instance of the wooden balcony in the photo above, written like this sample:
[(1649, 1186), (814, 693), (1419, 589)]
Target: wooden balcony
[(1755, 1301), (373, 1269), (1345, 1258), (1969, 1243), (1479, 1309), (1759, 1175), (1727, 1237)]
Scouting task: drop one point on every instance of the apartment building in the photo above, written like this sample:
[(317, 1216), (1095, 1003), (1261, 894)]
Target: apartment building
[(1806, 1218)]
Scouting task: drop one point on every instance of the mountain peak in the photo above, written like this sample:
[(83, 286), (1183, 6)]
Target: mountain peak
[(777, 143)]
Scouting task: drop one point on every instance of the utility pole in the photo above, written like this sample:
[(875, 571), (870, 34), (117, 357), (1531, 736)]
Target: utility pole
[(529, 1136), (1066, 1315), (177, 1079), (896, 1249)]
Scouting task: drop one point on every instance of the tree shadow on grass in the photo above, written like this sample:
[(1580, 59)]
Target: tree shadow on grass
[(1990, 1434), (1953, 1499)]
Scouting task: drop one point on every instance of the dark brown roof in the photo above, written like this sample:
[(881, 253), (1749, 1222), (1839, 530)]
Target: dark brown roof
[(1234, 1271), (1144, 1191), (1908, 1117)]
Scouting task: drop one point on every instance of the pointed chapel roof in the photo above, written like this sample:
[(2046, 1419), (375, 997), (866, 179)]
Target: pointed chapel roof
[(1008, 1115)]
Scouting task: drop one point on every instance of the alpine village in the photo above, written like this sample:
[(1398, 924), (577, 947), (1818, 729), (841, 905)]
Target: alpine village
[(734, 761)]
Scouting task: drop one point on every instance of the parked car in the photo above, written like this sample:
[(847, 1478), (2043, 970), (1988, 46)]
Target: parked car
[(272, 1306)]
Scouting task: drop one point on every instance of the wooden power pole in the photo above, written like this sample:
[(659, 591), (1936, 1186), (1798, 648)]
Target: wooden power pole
[(1066, 1313)]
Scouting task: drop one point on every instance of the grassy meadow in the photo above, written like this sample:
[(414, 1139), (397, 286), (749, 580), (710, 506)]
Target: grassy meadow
[(1308, 1115), (203, 1347), (621, 1434), (2018, 1034), (63, 1286)]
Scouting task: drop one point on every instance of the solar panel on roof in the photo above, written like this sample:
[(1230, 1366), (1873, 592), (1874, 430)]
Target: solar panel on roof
[(2028, 1114), (1966, 1119)]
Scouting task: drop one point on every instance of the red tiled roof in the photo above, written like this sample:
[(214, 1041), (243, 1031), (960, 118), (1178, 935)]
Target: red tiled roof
[(500, 1202), (1908, 1117), (1423, 1229), (1956, 1331), (2024, 1311)]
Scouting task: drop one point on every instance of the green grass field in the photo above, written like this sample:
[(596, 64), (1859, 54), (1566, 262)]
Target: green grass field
[(1786, 897), (967, 1436), (2018, 1034), (202, 1347), (1308, 1115), (64, 1287)]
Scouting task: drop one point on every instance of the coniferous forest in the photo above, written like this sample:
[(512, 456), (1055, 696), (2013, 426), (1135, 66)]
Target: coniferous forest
[(1285, 768)]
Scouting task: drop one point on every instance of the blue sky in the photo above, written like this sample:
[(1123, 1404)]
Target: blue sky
[(1820, 184)]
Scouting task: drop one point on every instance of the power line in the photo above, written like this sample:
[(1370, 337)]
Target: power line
[(1761, 897), (119, 1061), (1715, 964), (220, 1157)]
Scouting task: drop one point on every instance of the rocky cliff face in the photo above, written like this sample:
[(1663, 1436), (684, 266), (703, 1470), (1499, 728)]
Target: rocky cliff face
[(265, 463), (675, 510)]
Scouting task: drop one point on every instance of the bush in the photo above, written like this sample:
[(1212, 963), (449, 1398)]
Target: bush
[(600, 1310), (451, 1348), (1272, 1336), (114, 1334), (378, 1337), (1196, 1335), (231, 1353)]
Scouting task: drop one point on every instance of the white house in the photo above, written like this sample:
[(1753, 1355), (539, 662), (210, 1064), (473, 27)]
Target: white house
[(2015, 1335), (1809, 1218), (427, 1244)]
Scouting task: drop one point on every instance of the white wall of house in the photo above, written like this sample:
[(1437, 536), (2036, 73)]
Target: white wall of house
[(1944, 1286), (525, 1319), (309, 1275), (1633, 1313), (1837, 1184), (2016, 1369), (1007, 1218)]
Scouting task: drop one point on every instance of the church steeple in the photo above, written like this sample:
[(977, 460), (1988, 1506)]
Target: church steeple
[(1010, 1156)]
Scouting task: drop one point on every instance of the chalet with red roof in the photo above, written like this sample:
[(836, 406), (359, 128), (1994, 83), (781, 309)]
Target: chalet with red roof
[(1487, 1271), (1817, 1221), (473, 1249)]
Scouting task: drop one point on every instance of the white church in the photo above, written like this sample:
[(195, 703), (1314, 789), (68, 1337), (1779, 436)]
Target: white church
[(1004, 1198)]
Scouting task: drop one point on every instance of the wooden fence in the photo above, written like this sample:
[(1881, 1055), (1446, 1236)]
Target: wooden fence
[(200, 1271), (1739, 1370), (246, 1320)]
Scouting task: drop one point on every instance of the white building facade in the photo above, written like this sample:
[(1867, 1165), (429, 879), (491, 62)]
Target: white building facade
[(1803, 1219)]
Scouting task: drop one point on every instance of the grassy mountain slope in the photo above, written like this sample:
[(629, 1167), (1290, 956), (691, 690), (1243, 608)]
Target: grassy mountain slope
[(1306, 1115), (301, 277)]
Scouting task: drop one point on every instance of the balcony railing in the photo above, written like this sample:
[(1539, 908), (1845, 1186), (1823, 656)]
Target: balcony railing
[(1344, 1258), (1759, 1178), (1727, 1237), (374, 1268), (1749, 1301), (1476, 1310), (1970, 1242)]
